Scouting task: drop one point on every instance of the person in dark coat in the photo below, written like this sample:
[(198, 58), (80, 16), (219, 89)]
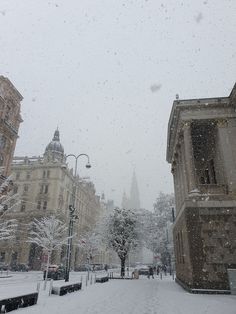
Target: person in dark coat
[(164, 269), (150, 272)]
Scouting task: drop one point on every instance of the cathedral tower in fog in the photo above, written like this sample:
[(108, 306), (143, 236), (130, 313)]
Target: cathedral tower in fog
[(134, 194), (132, 202)]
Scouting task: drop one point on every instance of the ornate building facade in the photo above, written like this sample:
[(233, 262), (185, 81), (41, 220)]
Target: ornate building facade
[(202, 152), (45, 185), (10, 120)]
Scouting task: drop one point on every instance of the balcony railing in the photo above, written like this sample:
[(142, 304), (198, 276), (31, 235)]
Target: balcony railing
[(9, 126)]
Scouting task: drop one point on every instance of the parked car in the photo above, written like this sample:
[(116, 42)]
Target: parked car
[(3, 266), (55, 272), (97, 267), (84, 267), (20, 267), (143, 270)]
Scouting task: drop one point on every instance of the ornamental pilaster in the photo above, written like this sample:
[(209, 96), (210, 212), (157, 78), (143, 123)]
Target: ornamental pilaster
[(189, 156)]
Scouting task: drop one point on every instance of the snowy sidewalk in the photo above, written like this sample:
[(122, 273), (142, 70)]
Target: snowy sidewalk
[(141, 296)]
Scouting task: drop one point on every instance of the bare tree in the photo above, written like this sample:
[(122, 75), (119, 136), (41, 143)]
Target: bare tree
[(90, 243), (50, 234)]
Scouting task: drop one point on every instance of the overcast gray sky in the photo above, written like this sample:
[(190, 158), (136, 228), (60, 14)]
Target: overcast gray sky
[(106, 73)]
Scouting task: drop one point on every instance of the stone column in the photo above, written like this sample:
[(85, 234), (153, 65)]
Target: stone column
[(179, 174), (174, 171), (189, 158), (185, 179), (227, 133), (176, 181)]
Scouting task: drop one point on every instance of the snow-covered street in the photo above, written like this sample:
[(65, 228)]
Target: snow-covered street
[(141, 296)]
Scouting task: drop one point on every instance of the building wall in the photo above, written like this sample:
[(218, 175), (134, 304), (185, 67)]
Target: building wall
[(10, 120), (45, 188), (201, 149)]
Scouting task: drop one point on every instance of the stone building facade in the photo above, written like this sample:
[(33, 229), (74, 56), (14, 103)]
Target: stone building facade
[(202, 153), (45, 186), (10, 120)]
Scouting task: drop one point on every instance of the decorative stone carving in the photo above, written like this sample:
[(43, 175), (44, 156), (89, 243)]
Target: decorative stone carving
[(222, 123)]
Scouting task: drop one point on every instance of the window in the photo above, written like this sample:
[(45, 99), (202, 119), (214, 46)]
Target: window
[(44, 173), (39, 205), (45, 189), (17, 175), (7, 114), (15, 189), (23, 207), (212, 171), (26, 188), (1, 160), (2, 256), (48, 173), (207, 177), (45, 205), (28, 175), (2, 141), (14, 257)]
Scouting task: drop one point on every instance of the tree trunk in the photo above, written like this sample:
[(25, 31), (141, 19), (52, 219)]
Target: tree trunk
[(122, 272), (46, 276)]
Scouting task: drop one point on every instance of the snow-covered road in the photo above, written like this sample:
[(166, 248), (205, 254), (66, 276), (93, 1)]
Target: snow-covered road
[(141, 296)]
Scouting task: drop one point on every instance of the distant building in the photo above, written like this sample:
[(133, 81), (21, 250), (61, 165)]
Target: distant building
[(202, 152), (132, 201), (10, 120), (45, 185)]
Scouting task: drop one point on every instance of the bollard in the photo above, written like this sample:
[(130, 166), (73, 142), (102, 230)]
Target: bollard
[(95, 278), (91, 279), (38, 287), (86, 280), (173, 275), (161, 275), (50, 287)]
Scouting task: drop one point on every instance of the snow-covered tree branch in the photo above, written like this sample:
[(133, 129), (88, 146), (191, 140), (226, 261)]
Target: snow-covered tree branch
[(8, 200), (50, 234), (122, 233), (90, 243), (8, 229), (155, 224)]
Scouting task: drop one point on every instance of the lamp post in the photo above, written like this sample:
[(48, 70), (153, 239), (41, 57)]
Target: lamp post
[(72, 215)]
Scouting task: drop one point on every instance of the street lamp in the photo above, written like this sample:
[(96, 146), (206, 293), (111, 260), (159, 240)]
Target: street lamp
[(72, 215)]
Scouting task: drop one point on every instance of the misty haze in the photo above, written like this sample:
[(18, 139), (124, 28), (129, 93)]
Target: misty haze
[(117, 156)]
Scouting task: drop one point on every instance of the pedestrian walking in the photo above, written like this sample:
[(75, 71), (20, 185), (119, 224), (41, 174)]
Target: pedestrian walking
[(150, 272), (164, 269)]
